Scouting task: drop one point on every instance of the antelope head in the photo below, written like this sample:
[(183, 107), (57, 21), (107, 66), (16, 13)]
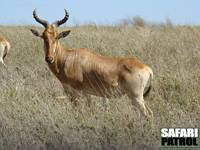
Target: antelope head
[(50, 35)]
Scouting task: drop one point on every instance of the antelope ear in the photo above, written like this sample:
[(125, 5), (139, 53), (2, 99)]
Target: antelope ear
[(36, 33), (63, 34)]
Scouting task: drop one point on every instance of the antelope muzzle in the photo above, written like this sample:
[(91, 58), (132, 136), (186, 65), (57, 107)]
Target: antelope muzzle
[(49, 60)]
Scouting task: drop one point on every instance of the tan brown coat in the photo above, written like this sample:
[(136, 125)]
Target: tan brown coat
[(83, 73), (4, 49)]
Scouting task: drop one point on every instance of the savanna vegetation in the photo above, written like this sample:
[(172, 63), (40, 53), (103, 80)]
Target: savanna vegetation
[(31, 116)]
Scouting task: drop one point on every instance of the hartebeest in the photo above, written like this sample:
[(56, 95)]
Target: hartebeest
[(4, 48), (83, 72)]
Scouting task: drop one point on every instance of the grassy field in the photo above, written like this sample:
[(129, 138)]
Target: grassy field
[(32, 118)]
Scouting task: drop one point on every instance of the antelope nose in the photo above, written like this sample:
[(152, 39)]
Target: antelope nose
[(49, 60)]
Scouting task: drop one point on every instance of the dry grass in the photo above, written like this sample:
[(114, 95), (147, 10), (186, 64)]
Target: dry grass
[(32, 118)]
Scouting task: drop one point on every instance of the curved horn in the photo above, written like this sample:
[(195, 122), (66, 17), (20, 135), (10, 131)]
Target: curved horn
[(59, 22), (41, 21)]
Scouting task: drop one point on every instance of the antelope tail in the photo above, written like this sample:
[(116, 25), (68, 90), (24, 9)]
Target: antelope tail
[(150, 84), (7, 48)]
